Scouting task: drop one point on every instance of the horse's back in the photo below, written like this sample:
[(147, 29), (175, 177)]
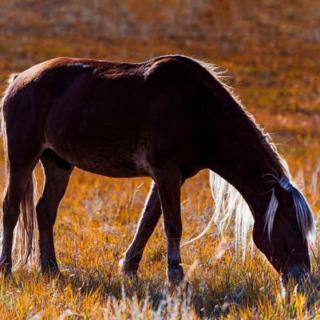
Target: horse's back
[(107, 117)]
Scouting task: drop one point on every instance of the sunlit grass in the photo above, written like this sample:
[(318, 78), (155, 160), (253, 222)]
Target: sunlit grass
[(96, 222)]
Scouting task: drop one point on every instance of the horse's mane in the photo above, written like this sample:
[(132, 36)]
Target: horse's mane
[(264, 138), (229, 203)]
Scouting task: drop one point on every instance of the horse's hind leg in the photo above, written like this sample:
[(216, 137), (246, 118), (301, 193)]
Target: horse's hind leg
[(15, 189), (57, 173), (147, 223)]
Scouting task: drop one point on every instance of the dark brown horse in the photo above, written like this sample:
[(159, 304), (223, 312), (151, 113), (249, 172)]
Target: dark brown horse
[(166, 118)]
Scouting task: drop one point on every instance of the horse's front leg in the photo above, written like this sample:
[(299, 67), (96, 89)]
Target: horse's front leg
[(147, 223), (169, 182)]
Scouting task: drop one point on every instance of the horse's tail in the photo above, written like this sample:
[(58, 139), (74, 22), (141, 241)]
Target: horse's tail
[(229, 206), (24, 242)]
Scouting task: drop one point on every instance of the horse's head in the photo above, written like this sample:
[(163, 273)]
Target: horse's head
[(286, 230)]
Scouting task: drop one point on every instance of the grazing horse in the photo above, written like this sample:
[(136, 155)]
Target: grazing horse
[(166, 118)]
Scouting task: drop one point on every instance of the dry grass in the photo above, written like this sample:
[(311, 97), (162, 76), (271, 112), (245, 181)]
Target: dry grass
[(272, 53)]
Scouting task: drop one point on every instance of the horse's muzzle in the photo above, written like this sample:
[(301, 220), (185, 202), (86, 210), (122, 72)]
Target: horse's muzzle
[(297, 274)]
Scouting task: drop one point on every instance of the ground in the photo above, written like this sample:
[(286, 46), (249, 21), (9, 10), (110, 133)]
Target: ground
[(271, 52)]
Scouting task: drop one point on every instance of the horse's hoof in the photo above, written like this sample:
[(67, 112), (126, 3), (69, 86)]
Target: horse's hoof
[(175, 275), (126, 269), (5, 267), (50, 269)]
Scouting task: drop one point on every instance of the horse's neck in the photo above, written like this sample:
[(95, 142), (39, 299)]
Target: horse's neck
[(243, 158)]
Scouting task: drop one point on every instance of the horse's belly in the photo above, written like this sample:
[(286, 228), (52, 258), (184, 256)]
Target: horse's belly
[(109, 159), (115, 167), (99, 143)]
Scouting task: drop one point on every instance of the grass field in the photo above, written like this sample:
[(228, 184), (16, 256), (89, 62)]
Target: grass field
[(271, 52)]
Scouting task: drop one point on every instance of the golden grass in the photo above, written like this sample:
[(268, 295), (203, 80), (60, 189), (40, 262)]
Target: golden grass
[(272, 53)]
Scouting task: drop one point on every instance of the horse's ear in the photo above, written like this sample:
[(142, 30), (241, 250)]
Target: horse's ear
[(283, 195)]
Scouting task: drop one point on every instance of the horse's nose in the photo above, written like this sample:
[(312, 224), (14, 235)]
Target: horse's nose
[(297, 274)]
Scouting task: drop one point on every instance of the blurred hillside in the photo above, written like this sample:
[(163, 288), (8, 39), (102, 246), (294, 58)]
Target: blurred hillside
[(144, 28), (271, 48)]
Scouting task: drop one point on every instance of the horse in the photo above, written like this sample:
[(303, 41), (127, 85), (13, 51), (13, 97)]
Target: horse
[(166, 118)]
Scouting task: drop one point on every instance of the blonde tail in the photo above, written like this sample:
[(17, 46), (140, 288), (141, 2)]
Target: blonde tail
[(24, 243)]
